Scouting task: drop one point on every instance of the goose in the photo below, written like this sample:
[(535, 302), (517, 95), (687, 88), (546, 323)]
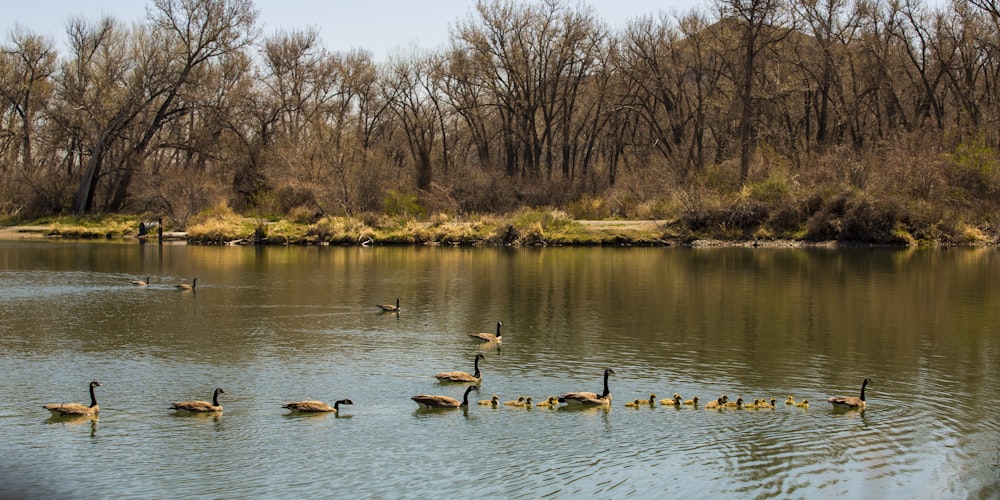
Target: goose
[(803, 404), (76, 409), (474, 378), (589, 398), (489, 337), (140, 282), (764, 405), (635, 403), (494, 401), (518, 402), (185, 286), (691, 402), (850, 402), (715, 405), (200, 406), (316, 406), (389, 307), (429, 402), (789, 401)]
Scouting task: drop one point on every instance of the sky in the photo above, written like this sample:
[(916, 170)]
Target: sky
[(378, 26)]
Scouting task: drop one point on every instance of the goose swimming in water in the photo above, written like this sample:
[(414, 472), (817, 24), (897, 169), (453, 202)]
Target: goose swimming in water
[(200, 406), (431, 402), (311, 406), (76, 409), (389, 307), (850, 402), (493, 338), (185, 286), (590, 398), (474, 378)]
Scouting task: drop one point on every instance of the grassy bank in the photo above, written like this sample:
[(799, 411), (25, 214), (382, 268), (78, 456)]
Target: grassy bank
[(845, 221)]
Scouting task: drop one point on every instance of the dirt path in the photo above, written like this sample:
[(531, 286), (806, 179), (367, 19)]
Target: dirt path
[(23, 232)]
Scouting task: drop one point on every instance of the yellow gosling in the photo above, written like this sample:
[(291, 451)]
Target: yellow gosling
[(714, 405), (494, 401), (550, 402), (518, 402)]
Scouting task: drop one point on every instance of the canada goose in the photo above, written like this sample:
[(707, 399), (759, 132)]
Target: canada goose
[(789, 401), (803, 404), (76, 409), (691, 402), (635, 403), (200, 406), (714, 405), (589, 398), (848, 401), (426, 401), (312, 406), (518, 402), (389, 307), (494, 401), (764, 405), (489, 337), (140, 282), (474, 378), (185, 286)]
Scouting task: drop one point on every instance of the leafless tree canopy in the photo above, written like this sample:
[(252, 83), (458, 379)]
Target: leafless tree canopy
[(530, 103)]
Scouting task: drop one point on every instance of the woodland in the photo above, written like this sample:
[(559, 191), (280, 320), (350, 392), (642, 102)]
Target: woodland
[(853, 120)]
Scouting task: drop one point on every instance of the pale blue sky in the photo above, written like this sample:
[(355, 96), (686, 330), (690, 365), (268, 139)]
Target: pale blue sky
[(376, 25)]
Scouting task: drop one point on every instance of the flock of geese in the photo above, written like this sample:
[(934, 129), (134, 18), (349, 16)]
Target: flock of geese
[(427, 401), (179, 286)]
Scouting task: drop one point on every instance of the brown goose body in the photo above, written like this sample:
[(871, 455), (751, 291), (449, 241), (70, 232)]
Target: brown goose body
[(850, 402), (590, 398), (465, 377), (489, 337), (76, 409), (431, 402), (200, 406), (312, 406), (140, 282), (389, 307), (185, 286)]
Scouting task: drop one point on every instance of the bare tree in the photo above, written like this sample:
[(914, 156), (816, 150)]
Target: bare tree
[(183, 36), (761, 24)]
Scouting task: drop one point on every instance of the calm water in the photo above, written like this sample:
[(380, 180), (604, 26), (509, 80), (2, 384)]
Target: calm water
[(273, 325)]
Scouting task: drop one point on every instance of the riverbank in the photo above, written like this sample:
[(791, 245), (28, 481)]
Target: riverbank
[(526, 228)]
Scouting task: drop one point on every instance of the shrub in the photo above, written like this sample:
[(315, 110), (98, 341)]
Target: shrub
[(396, 203)]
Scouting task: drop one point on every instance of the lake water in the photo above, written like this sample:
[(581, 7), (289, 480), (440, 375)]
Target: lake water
[(273, 325)]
